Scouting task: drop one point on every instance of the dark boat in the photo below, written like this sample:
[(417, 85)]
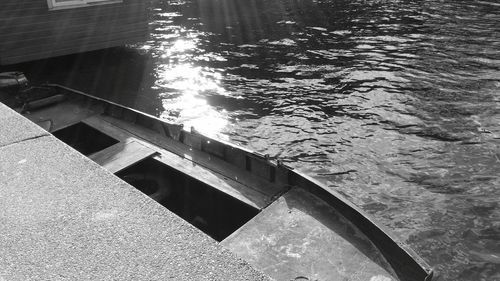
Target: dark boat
[(281, 221)]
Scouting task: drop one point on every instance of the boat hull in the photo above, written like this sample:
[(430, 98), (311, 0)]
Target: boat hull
[(300, 228)]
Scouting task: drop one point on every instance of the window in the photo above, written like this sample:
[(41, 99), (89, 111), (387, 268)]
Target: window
[(64, 4)]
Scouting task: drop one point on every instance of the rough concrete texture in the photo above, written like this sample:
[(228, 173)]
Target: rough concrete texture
[(14, 128), (63, 217)]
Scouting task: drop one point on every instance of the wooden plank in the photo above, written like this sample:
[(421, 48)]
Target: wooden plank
[(200, 158), (184, 164), (37, 8), (122, 155), (56, 23), (217, 181), (97, 123), (71, 50), (42, 5), (48, 34), (79, 14), (69, 41), (299, 235), (65, 114)]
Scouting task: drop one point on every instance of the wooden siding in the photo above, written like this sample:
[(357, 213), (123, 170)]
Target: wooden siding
[(30, 31)]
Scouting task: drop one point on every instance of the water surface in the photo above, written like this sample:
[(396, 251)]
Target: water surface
[(395, 104)]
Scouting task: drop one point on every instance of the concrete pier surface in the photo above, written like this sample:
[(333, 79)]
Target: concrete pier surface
[(63, 217)]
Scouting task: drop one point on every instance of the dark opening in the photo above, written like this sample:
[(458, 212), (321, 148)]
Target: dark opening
[(213, 212), (84, 138)]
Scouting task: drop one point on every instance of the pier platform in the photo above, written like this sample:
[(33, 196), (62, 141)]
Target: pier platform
[(64, 217)]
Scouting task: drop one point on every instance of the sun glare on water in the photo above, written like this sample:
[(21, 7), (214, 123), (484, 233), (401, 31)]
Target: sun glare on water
[(185, 90)]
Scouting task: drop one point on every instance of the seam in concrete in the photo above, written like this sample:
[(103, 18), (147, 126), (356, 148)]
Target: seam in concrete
[(27, 139)]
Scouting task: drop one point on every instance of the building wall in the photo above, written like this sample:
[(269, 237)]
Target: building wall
[(29, 31)]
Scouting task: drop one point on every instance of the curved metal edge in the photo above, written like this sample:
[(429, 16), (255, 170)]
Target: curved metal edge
[(407, 263)]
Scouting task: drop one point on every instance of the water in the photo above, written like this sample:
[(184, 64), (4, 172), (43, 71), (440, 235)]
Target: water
[(395, 104)]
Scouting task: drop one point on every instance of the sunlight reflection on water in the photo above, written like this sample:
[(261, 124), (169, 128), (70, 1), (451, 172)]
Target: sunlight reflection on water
[(394, 104), (183, 88)]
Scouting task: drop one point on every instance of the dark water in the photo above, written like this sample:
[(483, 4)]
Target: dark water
[(395, 104)]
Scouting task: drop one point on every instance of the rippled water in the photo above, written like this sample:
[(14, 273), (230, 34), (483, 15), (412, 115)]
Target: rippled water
[(395, 104)]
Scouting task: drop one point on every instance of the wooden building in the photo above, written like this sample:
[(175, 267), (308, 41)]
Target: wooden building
[(38, 29)]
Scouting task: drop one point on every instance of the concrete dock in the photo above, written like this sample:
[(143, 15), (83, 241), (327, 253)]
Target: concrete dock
[(63, 217)]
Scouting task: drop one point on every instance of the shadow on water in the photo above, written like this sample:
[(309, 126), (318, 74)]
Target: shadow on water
[(395, 104), (117, 74)]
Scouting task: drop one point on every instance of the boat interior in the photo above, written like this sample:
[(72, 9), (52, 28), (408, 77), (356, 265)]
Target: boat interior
[(283, 223)]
